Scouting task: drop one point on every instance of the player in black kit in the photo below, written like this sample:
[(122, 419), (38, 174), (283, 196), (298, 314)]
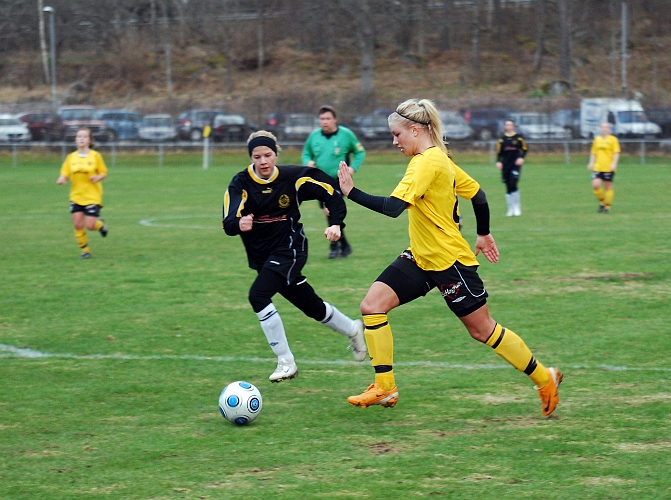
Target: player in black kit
[(511, 150), (261, 204)]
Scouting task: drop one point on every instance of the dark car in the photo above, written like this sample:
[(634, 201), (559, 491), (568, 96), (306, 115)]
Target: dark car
[(274, 124), (230, 128), (569, 120), (662, 117), (121, 123), (43, 126), (373, 127), (486, 123), (75, 117), (192, 123)]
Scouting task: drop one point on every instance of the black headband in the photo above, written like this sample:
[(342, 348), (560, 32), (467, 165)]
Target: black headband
[(261, 140), (412, 119)]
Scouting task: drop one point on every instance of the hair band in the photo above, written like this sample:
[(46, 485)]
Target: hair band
[(261, 140), (412, 119)]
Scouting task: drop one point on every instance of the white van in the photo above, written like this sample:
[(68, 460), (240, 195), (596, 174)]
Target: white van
[(626, 117)]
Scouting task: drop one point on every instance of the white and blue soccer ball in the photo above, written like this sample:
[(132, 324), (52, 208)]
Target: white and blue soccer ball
[(240, 402)]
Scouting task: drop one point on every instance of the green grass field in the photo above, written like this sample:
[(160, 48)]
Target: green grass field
[(110, 369)]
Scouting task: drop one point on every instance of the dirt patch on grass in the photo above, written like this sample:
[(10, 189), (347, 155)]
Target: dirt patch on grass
[(607, 481), (644, 447), (494, 399), (382, 447)]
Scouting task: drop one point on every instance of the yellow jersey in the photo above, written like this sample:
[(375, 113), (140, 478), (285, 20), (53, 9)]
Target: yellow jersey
[(80, 170), (604, 149), (430, 186)]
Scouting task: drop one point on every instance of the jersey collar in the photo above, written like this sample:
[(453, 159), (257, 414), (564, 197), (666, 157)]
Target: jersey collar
[(256, 178)]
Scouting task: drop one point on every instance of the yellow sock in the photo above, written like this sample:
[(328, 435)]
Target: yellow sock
[(380, 344), (598, 192), (512, 348), (80, 235), (608, 199), (99, 224), (385, 380)]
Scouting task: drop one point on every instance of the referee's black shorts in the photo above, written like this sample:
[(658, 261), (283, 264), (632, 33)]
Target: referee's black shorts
[(460, 285)]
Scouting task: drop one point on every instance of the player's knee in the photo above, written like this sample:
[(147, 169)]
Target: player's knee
[(258, 300), (370, 305)]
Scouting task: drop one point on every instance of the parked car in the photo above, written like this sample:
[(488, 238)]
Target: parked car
[(43, 126), (192, 123), (626, 117), (158, 127), (569, 120), (662, 117), (486, 123), (121, 123), (297, 126), (454, 126), (538, 126), (274, 123), (12, 129), (230, 128), (75, 117), (373, 127)]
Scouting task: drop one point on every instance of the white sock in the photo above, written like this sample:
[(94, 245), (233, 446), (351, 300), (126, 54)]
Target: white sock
[(272, 326), (337, 321)]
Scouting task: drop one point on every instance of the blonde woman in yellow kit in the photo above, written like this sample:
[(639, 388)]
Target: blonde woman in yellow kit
[(438, 256), (85, 169)]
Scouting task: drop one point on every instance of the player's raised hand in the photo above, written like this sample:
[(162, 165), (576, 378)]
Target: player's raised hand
[(246, 223), (332, 233), (487, 246), (345, 178)]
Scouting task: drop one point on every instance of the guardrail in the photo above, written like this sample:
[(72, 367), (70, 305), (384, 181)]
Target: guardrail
[(642, 147)]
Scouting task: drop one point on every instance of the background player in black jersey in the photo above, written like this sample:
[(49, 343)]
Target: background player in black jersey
[(511, 150), (261, 205)]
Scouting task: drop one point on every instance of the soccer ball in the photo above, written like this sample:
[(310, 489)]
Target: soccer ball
[(240, 402)]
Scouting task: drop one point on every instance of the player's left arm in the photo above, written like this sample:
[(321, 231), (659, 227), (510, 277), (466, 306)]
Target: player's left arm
[(485, 242), (316, 185), (358, 150), (101, 169), (616, 155), (523, 149), (386, 205)]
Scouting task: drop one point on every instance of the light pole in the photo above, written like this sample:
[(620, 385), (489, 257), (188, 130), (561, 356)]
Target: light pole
[(52, 42)]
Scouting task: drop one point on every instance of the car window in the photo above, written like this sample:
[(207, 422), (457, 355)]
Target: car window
[(77, 114), (9, 121)]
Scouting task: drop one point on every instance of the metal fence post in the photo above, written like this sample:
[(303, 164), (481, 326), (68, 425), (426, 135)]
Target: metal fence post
[(62, 151), (491, 152), (114, 154), (643, 152), (567, 153), (160, 154), (13, 154)]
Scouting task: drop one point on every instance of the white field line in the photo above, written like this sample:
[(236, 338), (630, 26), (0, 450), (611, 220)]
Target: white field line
[(8, 351)]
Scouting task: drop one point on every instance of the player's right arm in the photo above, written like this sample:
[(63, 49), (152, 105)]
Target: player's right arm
[(307, 156), (386, 205), (234, 222), (65, 172), (499, 154)]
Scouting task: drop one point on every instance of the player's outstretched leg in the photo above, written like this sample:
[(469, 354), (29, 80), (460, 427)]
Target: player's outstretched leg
[(345, 325), (512, 348), (517, 204), (101, 227), (510, 201), (381, 349), (272, 327)]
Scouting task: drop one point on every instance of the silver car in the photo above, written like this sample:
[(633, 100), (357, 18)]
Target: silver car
[(158, 127), (538, 126), (454, 126), (12, 129)]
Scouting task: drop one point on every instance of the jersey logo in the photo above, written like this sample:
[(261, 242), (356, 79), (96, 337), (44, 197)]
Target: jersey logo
[(336, 151), (284, 201), (267, 191)]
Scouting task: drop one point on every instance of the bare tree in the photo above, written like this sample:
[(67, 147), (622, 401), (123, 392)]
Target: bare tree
[(446, 21), (43, 42), (475, 38), (540, 35), (259, 38), (360, 11), (565, 66)]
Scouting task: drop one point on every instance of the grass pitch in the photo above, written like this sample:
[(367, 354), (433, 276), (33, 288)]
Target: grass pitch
[(110, 369)]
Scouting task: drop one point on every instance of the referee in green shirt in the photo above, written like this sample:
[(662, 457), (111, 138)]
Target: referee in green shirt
[(325, 148)]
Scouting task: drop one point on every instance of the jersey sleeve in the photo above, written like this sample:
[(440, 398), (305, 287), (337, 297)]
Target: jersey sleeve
[(465, 185), (101, 168), (307, 151), (593, 150), (234, 204), (499, 150), (523, 147), (65, 168), (357, 148), (616, 145), (313, 184), (417, 179)]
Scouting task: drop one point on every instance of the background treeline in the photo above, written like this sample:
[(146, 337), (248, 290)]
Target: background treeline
[(357, 53)]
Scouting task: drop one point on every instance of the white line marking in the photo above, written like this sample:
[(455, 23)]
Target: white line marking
[(19, 352)]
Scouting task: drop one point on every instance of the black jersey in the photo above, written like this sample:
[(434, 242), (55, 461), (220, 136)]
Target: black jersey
[(275, 203), (510, 148)]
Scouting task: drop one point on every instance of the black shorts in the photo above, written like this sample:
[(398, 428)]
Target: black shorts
[(460, 285), (90, 210), (288, 264), (604, 176)]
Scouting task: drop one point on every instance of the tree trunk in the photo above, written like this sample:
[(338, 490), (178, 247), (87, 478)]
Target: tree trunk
[(614, 55), (167, 49), (259, 39), (475, 38), (498, 15), (154, 34), (540, 36), (360, 12), (565, 67), (421, 30), (445, 31), (43, 42)]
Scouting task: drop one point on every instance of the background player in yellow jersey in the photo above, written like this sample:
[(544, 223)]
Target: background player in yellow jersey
[(85, 169), (438, 257), (603, 163)]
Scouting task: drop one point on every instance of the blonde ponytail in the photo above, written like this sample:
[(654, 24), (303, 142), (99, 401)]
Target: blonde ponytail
[(424, 113)]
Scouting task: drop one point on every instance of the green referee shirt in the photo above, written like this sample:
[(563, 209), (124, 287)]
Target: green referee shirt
[(327, 151)]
